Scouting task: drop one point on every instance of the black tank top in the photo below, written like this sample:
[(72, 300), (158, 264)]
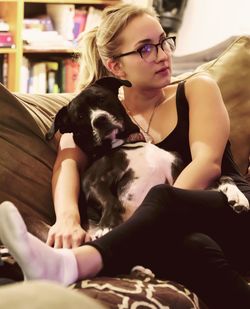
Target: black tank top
[(178, 141)]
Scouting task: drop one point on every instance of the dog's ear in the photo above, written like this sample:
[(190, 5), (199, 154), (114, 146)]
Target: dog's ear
[(61, 123), (113, 83)]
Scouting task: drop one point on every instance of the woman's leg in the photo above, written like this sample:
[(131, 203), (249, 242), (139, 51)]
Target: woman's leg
[(39, 261), (203, 268), (169, 212)]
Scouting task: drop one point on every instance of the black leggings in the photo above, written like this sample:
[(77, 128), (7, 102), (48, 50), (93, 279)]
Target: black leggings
[(193, 237)]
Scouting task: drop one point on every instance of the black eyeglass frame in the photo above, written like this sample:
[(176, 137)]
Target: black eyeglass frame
[(140, 48)]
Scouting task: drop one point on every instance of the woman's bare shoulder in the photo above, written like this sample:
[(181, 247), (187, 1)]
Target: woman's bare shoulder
[(200, 80)]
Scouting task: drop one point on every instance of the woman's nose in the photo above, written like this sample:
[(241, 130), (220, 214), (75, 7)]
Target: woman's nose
[(161, 55)]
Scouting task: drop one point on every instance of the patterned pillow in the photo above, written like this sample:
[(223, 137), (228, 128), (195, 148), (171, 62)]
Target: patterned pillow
[(139, 290)]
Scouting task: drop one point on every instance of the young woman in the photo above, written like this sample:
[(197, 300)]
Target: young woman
[(184, 232)]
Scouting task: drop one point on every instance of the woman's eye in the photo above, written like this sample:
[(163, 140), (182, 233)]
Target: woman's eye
[(146, 49)]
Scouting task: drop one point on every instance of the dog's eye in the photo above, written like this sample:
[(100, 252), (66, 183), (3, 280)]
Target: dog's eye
[(80, 116)]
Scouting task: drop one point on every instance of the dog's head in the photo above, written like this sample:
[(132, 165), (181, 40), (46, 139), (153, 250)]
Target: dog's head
[(96, 117)]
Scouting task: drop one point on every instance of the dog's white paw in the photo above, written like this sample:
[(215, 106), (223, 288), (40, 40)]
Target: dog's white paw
[(141, 271), (235, 197), (100, 232)]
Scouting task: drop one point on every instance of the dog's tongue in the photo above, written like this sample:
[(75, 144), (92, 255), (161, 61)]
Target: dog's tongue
[(135, 137)]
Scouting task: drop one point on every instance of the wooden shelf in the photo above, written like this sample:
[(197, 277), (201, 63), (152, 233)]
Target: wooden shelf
[(48, 51), (7, 50), (105, 2)]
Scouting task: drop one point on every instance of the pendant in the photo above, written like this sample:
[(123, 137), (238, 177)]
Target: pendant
[(148, 138)]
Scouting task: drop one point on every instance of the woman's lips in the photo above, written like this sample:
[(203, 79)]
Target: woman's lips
[(164, 70)]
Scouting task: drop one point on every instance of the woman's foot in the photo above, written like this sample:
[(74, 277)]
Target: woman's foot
[(36, 259)]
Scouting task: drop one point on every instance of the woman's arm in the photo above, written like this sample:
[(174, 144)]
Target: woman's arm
[(208, 133), (67, 231)]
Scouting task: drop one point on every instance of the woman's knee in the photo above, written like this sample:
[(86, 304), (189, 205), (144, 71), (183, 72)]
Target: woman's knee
[(159, 194)]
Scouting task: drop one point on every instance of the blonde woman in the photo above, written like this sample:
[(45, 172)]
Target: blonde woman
[(184, 232)]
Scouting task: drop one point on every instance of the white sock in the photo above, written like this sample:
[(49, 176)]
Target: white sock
[(36, 259)]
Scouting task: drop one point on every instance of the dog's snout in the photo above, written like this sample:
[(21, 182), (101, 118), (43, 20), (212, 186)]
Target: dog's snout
[(100, 121)]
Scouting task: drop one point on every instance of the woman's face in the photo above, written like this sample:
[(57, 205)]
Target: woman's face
[(146, 75)]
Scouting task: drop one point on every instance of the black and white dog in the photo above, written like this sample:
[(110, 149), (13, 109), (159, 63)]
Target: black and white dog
[(124, 167)]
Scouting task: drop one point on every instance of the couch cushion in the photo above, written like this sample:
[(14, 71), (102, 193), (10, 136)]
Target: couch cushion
[(232, 72), (26, 159)]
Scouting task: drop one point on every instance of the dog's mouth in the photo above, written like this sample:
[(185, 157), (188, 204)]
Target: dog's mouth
[(112, 134)]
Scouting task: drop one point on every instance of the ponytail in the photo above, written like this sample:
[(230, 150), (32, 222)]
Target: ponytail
[(91, 65)]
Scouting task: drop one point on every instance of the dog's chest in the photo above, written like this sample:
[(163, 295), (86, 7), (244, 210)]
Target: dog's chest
[(150, 166)]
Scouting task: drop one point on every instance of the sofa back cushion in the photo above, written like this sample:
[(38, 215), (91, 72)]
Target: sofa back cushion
[(26, 159)]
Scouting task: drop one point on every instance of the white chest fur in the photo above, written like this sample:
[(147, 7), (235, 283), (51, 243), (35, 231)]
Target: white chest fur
[(151, 166)]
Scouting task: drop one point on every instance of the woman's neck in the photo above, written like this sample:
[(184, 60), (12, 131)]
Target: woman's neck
[(140, 102)]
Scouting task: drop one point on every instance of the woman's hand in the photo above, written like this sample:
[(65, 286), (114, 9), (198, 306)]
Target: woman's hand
[(70, 162), (67, 234)]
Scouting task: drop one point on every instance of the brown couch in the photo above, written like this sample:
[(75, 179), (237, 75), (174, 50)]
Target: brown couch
[(26, 162)]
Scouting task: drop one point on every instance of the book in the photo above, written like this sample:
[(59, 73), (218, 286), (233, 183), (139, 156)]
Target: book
[(39, 80), (52, 68), (79, 21), (4, 26), (42, 23), (1, 68), (71, 70), (25, 74), (6, 40), (5, 69)]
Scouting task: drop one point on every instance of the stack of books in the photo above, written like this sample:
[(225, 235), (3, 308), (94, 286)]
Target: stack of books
[(50, 76), (39, 34)]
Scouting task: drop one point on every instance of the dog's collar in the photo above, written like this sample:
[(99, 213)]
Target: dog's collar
[(131, 139)]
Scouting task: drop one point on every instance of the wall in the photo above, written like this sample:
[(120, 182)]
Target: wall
[(208, 22)]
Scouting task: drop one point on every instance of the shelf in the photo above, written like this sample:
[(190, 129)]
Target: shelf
[(74, 1), (6, 50), (48, 51)]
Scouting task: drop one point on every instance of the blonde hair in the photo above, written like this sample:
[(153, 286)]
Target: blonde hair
[(102, 43)]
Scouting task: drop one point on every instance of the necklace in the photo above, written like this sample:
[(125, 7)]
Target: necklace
[(147, 136)]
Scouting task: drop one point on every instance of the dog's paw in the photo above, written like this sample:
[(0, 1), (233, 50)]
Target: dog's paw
[(236, 199), (100, 232), (141, 272)]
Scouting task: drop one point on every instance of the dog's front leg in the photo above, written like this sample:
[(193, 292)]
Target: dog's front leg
[(112, 208), (235, 197), (100, 190)]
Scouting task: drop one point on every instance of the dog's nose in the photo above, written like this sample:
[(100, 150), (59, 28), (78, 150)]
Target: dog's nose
[(100, 121)]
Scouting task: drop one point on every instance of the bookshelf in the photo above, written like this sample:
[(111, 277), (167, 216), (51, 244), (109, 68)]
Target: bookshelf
[(12, 11)]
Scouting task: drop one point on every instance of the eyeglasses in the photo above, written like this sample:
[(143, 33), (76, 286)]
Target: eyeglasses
[(149, 52)]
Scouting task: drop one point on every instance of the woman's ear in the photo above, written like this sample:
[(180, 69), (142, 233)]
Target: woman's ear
[(115, 68)]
